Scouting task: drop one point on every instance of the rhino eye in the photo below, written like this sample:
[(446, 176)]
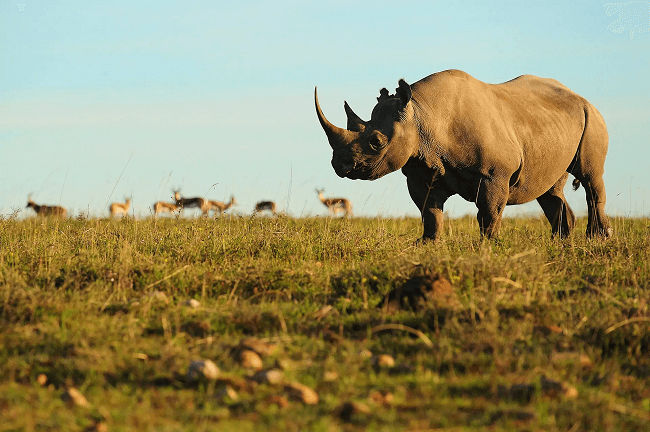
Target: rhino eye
[(377, 141)]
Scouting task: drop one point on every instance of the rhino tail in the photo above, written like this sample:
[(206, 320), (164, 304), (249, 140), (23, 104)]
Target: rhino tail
[(576, 184)]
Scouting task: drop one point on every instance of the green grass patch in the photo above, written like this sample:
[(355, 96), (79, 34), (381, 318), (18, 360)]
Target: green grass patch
[(535, 333)]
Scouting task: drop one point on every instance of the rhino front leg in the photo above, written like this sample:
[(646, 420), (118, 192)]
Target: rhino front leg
[(557, 210), (430, 199), (491, 200)]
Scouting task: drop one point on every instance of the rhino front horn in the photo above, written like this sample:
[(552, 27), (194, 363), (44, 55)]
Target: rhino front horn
[(336, 136)]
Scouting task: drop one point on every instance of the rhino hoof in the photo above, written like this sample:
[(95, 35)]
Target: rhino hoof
[(425, 240), (604, 232)]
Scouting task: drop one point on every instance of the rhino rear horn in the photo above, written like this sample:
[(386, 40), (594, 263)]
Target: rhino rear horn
[(355, 123), (403, 91)]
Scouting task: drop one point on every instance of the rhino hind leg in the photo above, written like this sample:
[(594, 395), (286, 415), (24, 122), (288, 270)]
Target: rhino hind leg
[(557, 210), (588, 167), (598, 224)]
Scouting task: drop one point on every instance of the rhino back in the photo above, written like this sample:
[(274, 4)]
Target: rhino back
[(530, 126)]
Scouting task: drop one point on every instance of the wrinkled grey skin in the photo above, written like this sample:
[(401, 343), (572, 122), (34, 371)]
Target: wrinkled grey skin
[(494, 145)]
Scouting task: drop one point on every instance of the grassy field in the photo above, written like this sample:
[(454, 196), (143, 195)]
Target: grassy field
[(525, 333)]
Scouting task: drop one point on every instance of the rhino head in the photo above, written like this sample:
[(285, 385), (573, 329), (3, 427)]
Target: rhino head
[(369, 150)]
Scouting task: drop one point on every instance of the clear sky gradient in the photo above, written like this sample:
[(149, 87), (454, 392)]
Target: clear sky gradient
[(102, 100)]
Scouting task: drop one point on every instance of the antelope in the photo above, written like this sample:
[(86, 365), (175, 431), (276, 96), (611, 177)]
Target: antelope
[(46, 210), (196, 202), (119, 208), (164, 207), (335, 205), (265, 205), (218, 206)]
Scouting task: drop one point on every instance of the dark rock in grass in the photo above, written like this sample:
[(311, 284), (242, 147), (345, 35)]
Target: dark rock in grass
[(192, 304), (263, 348), (268, 376), (303, 393), (226, 391), (548, 330), (199, 328), (116, 309), (556, 389), (73, 397), (347, 410), (202, 369), (522, 393), (420, 291), (279, 401)]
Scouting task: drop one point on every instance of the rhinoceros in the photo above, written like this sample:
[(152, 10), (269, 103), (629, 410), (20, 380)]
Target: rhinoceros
[(492, 144)]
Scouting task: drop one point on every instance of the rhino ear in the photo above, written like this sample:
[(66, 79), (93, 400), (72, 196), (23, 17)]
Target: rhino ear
[(355, 124), (403, 92), (383, 95)]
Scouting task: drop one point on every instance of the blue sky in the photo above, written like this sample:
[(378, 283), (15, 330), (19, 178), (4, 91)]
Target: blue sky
[(99, 101)]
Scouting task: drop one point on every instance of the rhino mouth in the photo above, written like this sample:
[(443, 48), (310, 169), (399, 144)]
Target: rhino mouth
[(355, 172), (344, 169)]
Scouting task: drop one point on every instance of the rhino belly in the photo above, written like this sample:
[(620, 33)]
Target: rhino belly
[(533, 183)]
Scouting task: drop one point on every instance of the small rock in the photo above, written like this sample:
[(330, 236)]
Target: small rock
[(330, 376), (239, 384), (365, 353), (381, 398), (262, 348), (159, 296), (202, 369), (250, 360), (585, 361), (572, 357), (42, 379), (268, 376), (74, 397), (280, 401), (546, 330), (191, 303), (570, 392), (384, 360), (227, 391), (303, 393), (556, 389), (141, 356), (346, 410), (97, 427)]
